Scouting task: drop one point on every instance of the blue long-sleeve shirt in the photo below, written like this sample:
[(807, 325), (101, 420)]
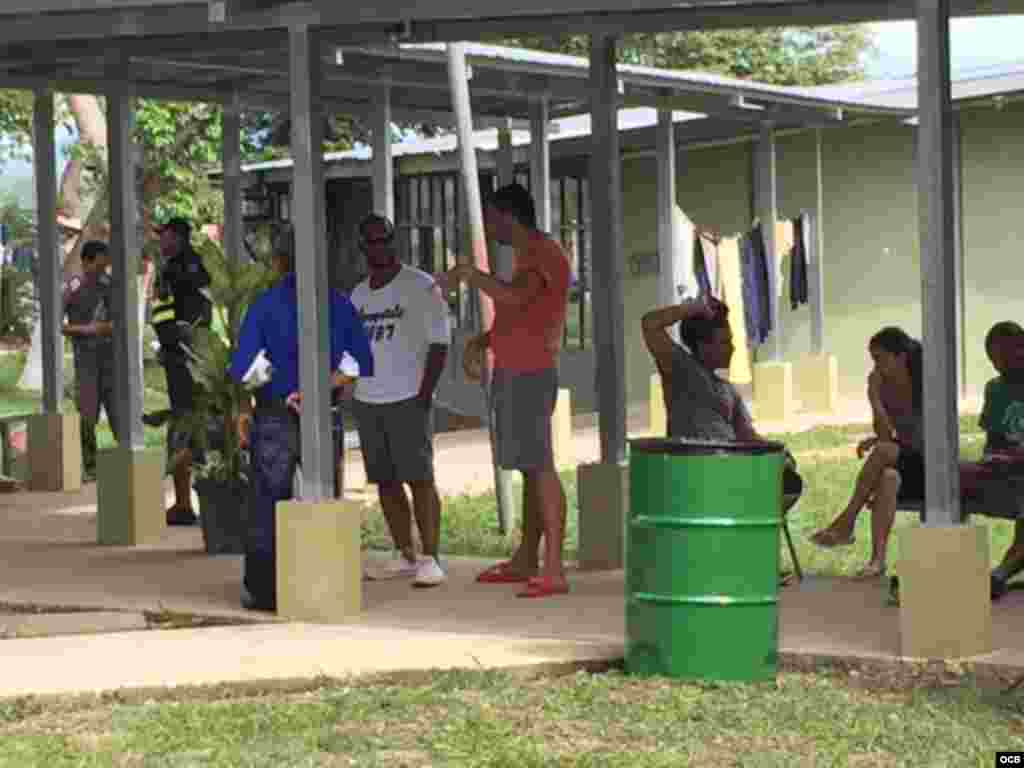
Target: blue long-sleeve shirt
[(272, 324)]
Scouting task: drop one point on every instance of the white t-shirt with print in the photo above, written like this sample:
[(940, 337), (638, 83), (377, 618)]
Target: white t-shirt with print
[(402, 319)]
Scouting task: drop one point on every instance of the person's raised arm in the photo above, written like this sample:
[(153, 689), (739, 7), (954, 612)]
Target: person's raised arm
[(655, 325), (519, 291)]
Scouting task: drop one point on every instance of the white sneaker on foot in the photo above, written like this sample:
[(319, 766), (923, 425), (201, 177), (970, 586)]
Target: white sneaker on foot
[(429, 573), (403, 566)]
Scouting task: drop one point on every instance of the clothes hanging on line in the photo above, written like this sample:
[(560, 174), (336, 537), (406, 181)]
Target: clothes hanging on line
[(676, 279), (798, 265), (705, 264), (756, 286), (732, 295), (700, 269)]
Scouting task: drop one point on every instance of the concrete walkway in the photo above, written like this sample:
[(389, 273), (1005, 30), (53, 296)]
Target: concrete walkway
[(48, 557)]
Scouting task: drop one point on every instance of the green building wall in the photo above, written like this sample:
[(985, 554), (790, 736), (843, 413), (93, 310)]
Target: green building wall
[(870, 222)]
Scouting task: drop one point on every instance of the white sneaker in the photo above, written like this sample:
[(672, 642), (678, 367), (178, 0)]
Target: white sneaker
[(429, 573), (403, 566)]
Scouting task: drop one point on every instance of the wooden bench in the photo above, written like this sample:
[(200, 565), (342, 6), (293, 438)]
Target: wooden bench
[(1003, 498)]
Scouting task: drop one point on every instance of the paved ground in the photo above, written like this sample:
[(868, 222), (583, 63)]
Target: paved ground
[(48, 557)]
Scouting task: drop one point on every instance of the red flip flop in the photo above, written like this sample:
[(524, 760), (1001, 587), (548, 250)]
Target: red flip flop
[(500, 573), (542, 587)]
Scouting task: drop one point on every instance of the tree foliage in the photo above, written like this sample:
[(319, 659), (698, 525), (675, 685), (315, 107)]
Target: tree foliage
[(780, 56), (18, 220)]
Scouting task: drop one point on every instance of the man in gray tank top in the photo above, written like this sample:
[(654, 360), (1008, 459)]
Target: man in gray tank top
[(700, 404)]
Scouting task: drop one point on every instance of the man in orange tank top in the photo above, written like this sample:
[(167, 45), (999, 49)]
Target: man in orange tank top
[(525, 338)]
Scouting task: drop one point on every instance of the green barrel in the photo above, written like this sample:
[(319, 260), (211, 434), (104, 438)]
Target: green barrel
[(702, 559)]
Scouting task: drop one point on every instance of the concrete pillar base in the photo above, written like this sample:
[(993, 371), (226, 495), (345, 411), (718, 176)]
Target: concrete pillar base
[(657, 419), (816, 380), (561, 430), (945, 610), (603, 491), (773, 391), (54, 452), (319, 563), (129, 496)]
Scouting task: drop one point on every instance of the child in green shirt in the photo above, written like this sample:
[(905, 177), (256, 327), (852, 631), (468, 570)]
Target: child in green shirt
[(1002, 418)]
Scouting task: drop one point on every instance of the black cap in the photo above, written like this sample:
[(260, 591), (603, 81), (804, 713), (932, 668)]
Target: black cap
[(179, 226)]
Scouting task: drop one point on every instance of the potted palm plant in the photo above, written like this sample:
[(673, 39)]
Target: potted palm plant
[(220, 469)]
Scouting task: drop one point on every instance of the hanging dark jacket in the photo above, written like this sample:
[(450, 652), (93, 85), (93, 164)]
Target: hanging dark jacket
[(798, 266)]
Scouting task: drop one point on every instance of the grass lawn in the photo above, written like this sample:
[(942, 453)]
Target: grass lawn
[(484, 719)]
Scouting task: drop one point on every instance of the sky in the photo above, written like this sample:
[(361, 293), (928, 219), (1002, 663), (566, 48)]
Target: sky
[(974, 43)]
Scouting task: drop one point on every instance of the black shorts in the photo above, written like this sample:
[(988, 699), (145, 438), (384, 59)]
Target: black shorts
[(910, 465)]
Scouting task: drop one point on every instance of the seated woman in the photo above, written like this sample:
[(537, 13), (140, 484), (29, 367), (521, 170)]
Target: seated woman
[(700, 404), (894, 470)]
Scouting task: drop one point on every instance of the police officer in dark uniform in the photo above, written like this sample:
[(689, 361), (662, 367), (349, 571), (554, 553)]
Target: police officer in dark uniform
[(87, 307), (270, 336), (181, 302)]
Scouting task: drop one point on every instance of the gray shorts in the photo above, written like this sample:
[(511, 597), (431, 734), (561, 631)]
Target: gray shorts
[(396, 440), (523, 406)]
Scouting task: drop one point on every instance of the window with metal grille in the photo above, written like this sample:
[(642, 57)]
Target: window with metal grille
[(430, 235), (570, 222), (428, 228)]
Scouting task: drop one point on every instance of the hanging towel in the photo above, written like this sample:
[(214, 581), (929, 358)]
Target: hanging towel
[(798, 266), (732, 295), (676, 280)]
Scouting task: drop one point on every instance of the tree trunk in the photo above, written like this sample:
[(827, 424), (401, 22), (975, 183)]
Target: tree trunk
[(92, 131)]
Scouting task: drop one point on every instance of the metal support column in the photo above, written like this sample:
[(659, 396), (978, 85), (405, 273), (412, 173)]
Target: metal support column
[(49, 288), (311, 262), (458, 79), (665, 159), (958, 259), (383, 168), (504, 255), (125, 250), (232, 156), (606, 214), (936, 193), (765, 203), (540, 163), (816, 250)]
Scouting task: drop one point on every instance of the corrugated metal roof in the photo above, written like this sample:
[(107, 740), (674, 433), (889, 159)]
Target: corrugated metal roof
[(900, 94), (486, 140), (692, 81)]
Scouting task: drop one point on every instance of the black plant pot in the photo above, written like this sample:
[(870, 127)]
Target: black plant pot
[(223, 510)]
